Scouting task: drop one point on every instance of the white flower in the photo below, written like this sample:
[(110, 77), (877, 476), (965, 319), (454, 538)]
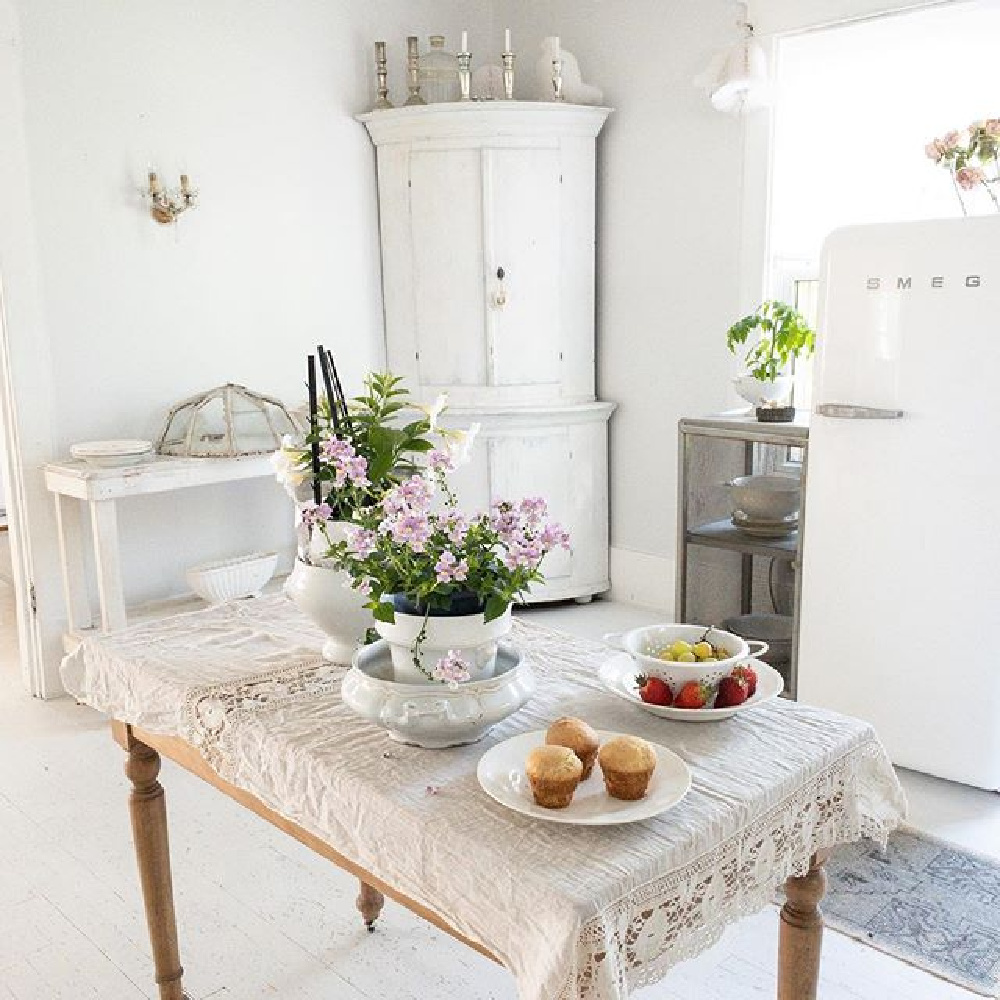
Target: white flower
[(433, 412), (457, 444), (290, 469)]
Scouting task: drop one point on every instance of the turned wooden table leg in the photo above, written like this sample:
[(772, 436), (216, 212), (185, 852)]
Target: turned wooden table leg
[(801, 934), (369, 903), (152, 850)]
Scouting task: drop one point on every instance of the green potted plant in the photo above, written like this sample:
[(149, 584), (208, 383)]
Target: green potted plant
[(780, 334), (356, 450)]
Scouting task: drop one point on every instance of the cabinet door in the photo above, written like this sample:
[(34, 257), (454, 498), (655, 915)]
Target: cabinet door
[(522, 213), (446, 219)]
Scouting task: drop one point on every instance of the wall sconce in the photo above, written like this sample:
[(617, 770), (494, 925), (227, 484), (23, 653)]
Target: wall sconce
[(165, 205)]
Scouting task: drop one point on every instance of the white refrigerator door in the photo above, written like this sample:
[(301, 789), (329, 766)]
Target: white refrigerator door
[(900, 607)]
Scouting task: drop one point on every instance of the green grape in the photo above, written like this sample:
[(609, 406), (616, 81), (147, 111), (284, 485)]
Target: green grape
[(679, 647), (703, 650), (687, 657)]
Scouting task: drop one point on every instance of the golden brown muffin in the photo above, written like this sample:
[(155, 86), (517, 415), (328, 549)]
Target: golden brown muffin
[(554, 773), (579, 737), (627, 763)]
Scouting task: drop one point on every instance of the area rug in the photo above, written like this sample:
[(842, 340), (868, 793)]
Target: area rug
[(925, 902)]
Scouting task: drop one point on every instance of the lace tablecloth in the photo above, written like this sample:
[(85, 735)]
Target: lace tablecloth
[(575, 913)]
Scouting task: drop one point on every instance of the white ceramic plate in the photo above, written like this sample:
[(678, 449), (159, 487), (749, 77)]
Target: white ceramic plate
[(618, 675), (109, 454), (501, 775)]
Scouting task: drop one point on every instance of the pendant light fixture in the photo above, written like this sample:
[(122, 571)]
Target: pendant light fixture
[(736, 80)]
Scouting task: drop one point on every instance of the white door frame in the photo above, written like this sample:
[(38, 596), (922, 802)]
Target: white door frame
[(29, 638)]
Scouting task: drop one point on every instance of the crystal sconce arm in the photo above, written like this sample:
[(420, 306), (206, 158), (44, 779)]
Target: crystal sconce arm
[(165, 206)]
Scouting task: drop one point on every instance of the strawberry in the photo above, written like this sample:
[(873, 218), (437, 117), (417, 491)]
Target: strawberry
[(654, 690), (732, 691), (694, 694), (749, 675)]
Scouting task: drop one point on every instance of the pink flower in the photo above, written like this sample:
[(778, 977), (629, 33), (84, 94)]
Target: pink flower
[(968, 177), (336, 449), (440, 461), (451, 669), (361, 542), (533, 509), (412, 530), (554, 535), (934, 151), (952, 140), (313, 513), (456, 527), (449, 568), (357, 470)]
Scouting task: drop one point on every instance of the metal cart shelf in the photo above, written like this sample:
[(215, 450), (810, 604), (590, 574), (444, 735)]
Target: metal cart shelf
[(722, 534)]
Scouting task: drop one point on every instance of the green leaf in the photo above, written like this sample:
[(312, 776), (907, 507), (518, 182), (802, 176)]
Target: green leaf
[(384, 612), (495, 607)]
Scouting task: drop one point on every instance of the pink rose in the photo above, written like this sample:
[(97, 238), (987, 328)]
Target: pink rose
[(968, 177), (934, 151)]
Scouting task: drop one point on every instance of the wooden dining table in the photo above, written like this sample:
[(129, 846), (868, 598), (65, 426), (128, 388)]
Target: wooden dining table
[(239, 696)]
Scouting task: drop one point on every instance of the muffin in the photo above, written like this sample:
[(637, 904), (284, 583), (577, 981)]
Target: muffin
[(554, 773), (627, 763), (579, 737)]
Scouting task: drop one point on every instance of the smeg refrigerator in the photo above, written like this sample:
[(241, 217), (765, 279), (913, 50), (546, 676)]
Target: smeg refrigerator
[(900, 598)]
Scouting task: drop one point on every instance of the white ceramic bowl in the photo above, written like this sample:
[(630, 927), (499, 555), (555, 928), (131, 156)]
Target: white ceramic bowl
[(231, 579), (771, 497), (643, 645), (435, 715), (758, 393)]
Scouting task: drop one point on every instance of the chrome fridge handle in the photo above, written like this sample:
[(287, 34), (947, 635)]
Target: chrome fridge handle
[(851, 411)]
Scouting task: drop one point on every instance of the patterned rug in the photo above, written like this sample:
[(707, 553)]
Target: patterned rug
[(927, 903)]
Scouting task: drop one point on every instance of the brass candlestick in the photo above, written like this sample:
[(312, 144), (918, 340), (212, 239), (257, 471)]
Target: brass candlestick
[(382, 72), (413, 71), (557, 80), (465, 76), (508, 75)]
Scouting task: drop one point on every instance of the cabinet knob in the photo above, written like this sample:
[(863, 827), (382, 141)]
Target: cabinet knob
[(500, 295)]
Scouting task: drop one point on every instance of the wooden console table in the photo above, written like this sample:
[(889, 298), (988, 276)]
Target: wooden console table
[(74, 483)]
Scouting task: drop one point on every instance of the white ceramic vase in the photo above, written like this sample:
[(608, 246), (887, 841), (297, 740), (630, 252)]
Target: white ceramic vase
[(326, 597), (758, 393), (470, 636)]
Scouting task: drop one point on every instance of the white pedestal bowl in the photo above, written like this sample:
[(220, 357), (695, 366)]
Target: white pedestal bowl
[(435, 715)]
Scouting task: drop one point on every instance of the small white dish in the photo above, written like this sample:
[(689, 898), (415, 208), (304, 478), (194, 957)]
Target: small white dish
[(112, 454), (619, 672), (501, 775), (232, 579)]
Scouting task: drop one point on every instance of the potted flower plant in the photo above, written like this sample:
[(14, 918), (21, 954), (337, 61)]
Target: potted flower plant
[(972, 157), (354, 452), (782, 334), (440, 584)]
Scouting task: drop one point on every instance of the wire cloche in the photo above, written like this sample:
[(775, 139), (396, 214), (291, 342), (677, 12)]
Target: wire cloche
[(224, 422)]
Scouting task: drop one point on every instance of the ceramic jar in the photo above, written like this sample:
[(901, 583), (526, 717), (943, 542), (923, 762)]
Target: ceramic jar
[(462, 631), (326, 596)]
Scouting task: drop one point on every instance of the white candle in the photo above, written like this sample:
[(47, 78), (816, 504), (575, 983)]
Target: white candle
[(506, 40), (555, 47), (465, 41)]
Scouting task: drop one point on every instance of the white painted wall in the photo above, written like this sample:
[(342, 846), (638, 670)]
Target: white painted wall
[(255, 101), (670, 170)]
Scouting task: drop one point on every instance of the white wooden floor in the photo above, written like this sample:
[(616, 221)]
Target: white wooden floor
[(261, 917)]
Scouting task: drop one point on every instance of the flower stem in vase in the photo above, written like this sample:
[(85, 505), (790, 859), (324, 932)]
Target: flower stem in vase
[(314, 427)]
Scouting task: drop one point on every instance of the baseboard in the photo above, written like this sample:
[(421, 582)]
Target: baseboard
[(642, 579)]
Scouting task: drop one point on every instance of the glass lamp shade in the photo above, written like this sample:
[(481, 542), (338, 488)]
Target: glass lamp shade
[(224, 422), (741, 79)]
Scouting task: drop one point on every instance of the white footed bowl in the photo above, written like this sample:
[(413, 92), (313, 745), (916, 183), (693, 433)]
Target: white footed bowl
[(642, 644), (325, 596), (435, 715)]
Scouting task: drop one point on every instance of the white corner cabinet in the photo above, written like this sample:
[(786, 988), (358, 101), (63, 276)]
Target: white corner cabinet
[(487, 224)]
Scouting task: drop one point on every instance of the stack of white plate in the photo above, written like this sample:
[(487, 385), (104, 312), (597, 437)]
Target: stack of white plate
[(766, 527), (112, 454)]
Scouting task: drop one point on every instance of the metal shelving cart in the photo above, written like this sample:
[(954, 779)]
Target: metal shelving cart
[(721, 533)]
